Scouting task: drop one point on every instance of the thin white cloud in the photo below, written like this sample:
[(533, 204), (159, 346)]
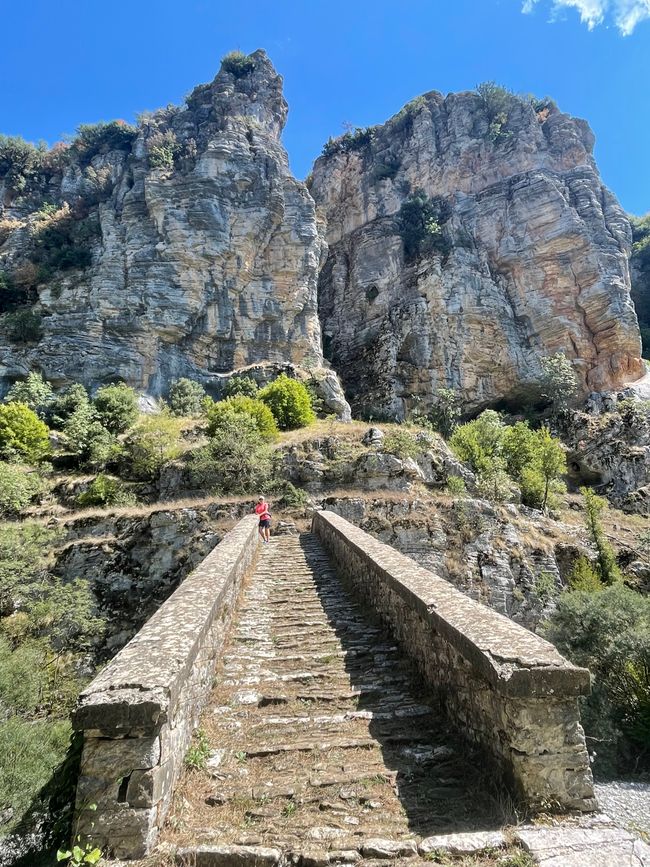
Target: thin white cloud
[(625, 14)]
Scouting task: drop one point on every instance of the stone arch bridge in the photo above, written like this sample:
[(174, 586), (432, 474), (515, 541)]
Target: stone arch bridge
[(357, 707)]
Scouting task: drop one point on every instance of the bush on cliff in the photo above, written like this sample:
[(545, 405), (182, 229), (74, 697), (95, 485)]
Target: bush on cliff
[(34, 392), (244, 385), (116, 407), (186, 397), (237, 63), (153, 442), (22, 433), (105, 491), (607, 568), (289, 401), (420, 220), (609, 633), (67, 402), (19, 486), (220, 414), (23, 325), (237, 459), (100, 138)]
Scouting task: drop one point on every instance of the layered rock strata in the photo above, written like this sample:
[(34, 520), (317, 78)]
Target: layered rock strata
[(525, 254), (202, 248)]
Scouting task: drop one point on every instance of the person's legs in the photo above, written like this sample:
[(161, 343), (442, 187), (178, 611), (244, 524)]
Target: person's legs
[(260, 530), (267, 531)]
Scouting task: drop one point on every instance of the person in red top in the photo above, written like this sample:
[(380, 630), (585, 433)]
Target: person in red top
[(262, 509)]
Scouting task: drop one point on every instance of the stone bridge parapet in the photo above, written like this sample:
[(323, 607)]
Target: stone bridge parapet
[(138, 714), (506, 688)]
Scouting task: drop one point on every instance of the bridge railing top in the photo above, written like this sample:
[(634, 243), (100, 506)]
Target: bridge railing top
[(139, 688), (516, 661)]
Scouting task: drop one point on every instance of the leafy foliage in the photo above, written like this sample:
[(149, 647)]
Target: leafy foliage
[(21, 162), (497, 453), (240, 385), (289, 401), (105, 491), (609, 633), (153, 442), (446, 411), (67, 402), (186, 397), (100, 138), (163, 148), (402, 444), (87, 436), (23, 325), (606, 567), (116, 407), (420, 221), (559, 383), (18, 487), (34, 392), (22, 433), (199, 752), (353, 140), (497, 103), (221, 413), (237, 459), (238, 64)]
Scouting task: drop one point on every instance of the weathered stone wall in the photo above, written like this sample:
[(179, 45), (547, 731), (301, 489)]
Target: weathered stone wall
[(506, 688), (138, 715)]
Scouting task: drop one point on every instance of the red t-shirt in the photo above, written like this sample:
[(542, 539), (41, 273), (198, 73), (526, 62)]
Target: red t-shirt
[(262, 509)]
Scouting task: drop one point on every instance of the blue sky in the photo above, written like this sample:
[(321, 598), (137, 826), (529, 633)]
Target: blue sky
[(69, 62)]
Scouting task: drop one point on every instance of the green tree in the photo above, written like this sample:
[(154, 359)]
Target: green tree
[(67, 402), (220, 413), (583, 576), (186, 397), (289, 402), (446, 411), (18, 487), (153, 442), (34, 392), (22, 433), (237, 459), (607, 567), (559, 383), (420, 225), (243, 385), (88, 438), (105, 491), (520, 447), (609, 633), (551, 461), (116, 407)]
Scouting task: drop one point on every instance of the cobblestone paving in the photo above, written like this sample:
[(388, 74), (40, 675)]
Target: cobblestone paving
[(321, 737)]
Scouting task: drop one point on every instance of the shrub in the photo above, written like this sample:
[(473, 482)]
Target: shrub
[(240, 385), (446, 411), (65, 242), (221, 413), (236, 460), (402, 444), (163, 149), (497, 103), (23, 325), (290, 496), (102, 137), (31, 750), (116, 407), (289, 402), (456, 486), (238, 64), (420, 222), (199, 752), (583, 576), (186, 397), (559, 383), (22, 433), (153, 442), (18, 487), (34, 392), (609, 633), (606, 567), (105, 491), (21, 163), (353, 140), (66, 403), (11, 295), (88, 438)]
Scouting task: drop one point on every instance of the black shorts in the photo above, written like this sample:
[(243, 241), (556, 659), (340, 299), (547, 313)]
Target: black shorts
[(265, 523)]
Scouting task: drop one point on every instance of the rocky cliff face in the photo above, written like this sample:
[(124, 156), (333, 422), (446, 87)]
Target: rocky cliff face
[(468, 239), (192, 249)]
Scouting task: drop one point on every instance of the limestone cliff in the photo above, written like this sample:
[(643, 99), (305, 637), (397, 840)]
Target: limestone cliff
[(182, 247), (521, 252)]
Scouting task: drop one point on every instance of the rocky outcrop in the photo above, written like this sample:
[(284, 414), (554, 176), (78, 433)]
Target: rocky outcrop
[(521, 253), (200, 250)]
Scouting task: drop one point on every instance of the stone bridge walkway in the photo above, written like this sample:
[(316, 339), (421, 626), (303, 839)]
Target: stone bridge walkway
[(325, 745)]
